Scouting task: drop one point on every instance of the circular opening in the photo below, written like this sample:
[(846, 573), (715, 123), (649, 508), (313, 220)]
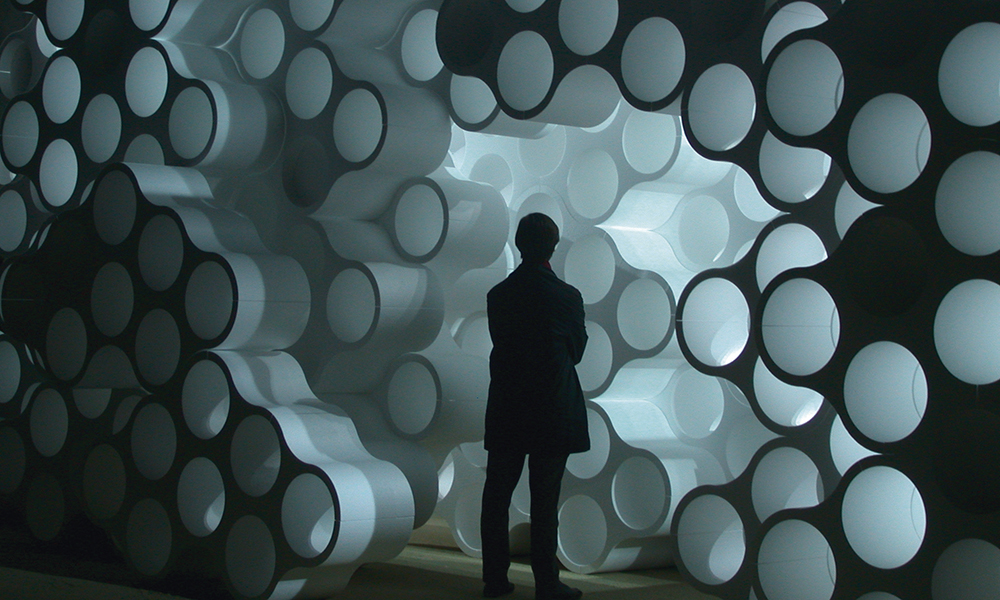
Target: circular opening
[(525, 70), (192, 121), (586, 465), (653, 59), (262, 44), (524, 6), (800, 327), (102, 128), (645, 314), (420, 54), (310, 15), (790, 18), (795, 562), (308, 515), (201, 497), (412, 397), (45, 44), (592, 184), (696, 404), (785, 248), (850, 206), (20, 134), (351, 305), (45, 507), (149, 537), (715, 322), (14, 216), (58, 173), (148, 14), (49, 422), (785, 478), (598, 358), (710, 539), (969, 75), (885, 392), (66, 344), (968, 570), (250, 556), (154, 441), (468, 514), (16, 66), (587, 25), (542, 156), (358, 125), (61, 89), (749, 199), (146, 82), (309, 83), (785, 404), (111, 299), (590, 266), (884, 517), (64, 17), (805, 87), (963, 328), (702, 231), (493, 170), (472, 100), (104, 482), (846, 450), (123, 413), (209, 300), (639, 492), (145, 149), (650, 140), (114, 207), (12, 460), (92, 402), (161, 252), (582, 544), (722, 105), (889, 143), (255, 455), (205, 399), (419, 220), (157, 347), (791, 173), (966, 206), (10, 366)]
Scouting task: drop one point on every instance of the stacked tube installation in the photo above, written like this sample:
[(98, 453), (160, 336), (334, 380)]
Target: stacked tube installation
[(246, 247)]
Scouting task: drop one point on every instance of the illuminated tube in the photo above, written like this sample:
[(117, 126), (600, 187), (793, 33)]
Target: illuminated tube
[(966, 81), (800, 326), (652, 61), (803, 105), (784, 404), (710, 537), (889, 143), (198, 22), (884, 516), (794, 540), (785, 247), (884, 379), (714, 321), (721, 107), (788, 19), (785, 477), (20, 62), (792, 174)]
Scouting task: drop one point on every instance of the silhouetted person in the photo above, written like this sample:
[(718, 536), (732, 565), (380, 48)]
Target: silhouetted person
[(535, 408)]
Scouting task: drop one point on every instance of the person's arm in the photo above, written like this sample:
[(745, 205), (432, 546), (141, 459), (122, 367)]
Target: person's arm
[(578, 329)]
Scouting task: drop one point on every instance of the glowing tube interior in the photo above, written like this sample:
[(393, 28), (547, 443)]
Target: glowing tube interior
[(14, 216), (419, 49), (962, 326), (146, 82), (710, 539), (805, 87), (20, 134), (58, 172), (722, 105), (192, 120), (795, 562), (201, 496), (783, 403), (586, 26), (61, 88), (583, 544), (262, 44), (785, 478), (525, 70), (66, 344), (889, 143), (793, 174), (102, 128), (653, 59), (968, 570), (639, 492), (205, 399), (716, 322), (250, 556), (885, 391), (208, 300), (307, 515), (800, 326), (969, 75), (358, 125), (965, 204), (308, 83), (884, 517), (790, 18), (161, 251), (786, 247), (255, 455)]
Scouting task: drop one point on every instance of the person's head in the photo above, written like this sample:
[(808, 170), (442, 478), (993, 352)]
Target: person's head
[(536, 237)]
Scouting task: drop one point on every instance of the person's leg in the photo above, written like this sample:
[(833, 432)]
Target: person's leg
[(503, 470), (545, 477)]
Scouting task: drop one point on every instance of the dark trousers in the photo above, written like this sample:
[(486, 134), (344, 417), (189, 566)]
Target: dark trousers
[(503, 470)]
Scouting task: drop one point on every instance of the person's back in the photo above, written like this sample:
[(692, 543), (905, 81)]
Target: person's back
[(536, 409)]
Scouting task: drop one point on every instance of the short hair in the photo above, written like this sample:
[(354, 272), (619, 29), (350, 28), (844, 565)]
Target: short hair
[(536, 237)]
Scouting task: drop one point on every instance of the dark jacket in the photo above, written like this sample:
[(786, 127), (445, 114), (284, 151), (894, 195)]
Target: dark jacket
[(535, 401)]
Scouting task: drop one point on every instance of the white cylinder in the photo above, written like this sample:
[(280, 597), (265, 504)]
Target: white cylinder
[(885, 392), (792, 17), (58, 173), (889, 143), (201, 496), (20, 134), (61, 88), (715, 322), (250, 556), (14, 215), (524, 71), (64, 17), (805, 87), (586, 26), (795, 562), (255, 455), (653, 59), (710, 539), (964, 206), (146, 81), (722, 106), (785, 478), (850, 206), (308, 515), (963, 327), (582, 545), (651, 140), (101, 128), (968, 77), (161, 252), (786, 247), (800, 326), (791, 173), (589, 464), (262, 43), (419, 49), (694, 404), (565, 107), (205, 399), (884, 517), (785, 404), (49, 422), (845, 450)]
